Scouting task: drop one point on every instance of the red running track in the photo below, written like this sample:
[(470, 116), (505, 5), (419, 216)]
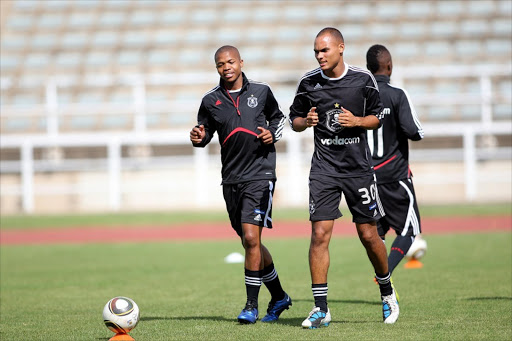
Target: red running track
[(200, 232)]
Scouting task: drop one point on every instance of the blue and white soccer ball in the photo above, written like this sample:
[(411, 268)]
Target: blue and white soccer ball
[(121, 314), (417, 249)]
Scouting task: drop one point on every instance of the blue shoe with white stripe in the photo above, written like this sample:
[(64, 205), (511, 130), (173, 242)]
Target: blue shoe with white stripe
[(249, 314), (276, 308)]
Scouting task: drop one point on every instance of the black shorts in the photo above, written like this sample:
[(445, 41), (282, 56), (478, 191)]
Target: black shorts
[(249, 202), (360, 193), (402, 215)]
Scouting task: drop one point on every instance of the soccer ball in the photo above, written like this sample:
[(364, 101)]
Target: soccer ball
[(418, 248), (121, 314)]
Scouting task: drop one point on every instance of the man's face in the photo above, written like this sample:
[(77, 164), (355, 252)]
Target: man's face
[(328, 52), (229, 65)]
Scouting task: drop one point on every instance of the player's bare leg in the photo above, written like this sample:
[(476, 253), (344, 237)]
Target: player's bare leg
[(319, 250), (251, 240), (374, 246), (319, 261), (377, 254)]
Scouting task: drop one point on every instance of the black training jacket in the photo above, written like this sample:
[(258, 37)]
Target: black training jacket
[(235, 117), (390, 143), (339, 152)]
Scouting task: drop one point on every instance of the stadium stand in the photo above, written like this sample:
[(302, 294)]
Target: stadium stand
[(111, 66)]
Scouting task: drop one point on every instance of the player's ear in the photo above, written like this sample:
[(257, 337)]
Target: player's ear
[(341, 48), (241, 63)]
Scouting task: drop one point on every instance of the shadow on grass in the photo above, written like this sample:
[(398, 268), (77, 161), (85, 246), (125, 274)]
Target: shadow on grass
[(343, 301), (492, 298), (187, 318)]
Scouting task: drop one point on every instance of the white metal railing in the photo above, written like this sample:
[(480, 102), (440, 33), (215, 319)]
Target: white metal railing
[(294, 156)]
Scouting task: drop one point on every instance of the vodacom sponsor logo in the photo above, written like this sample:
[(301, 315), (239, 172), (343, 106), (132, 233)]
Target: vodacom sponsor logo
[(338, 141)]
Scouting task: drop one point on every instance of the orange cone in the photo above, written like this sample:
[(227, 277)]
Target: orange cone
[(121, 337), (413, 263)]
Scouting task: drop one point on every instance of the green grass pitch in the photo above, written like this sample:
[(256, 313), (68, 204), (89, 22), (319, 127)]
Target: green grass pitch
[(186, 292)]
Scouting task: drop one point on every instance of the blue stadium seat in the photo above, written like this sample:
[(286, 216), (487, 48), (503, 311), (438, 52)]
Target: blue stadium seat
[(51, 21), (68, 59), (105, 38), (159, 57), (481, 8), (502, 27), (499, 46), (418, 9), (444, 29), (438, 48), (474, 28), (127, 57), (37, 60), (143, 18), (20, 22), (357, 11), (81, 19), (266, 13), (98, 58), (73, 39), (112, 19), (450, 9)]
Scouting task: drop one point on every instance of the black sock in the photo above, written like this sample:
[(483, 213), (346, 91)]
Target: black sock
[(320, 295), (252, 286), (271, 281), (384, 284), (398, 250)]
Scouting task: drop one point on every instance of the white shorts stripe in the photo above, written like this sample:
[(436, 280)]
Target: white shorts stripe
[(412, 218), (269, 206)]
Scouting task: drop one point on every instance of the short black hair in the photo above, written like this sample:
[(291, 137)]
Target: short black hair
[(372, 57), (334, 32), (226, 48)]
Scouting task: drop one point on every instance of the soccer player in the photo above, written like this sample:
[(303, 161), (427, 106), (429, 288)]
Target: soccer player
[(389, 146), (248, 120), (341, 102)]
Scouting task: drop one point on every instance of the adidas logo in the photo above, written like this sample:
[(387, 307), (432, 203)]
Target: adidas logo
[(317, 86), (218, 102), (258, 217)]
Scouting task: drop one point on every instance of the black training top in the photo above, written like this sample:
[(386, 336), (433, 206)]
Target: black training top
[(339, 151), (389, 144), (235, 116)]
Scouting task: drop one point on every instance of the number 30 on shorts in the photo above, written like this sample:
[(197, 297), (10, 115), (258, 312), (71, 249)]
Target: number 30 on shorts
[(368, 196)]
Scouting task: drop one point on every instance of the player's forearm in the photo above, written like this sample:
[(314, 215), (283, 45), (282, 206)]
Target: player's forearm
[(300, 124), (369, 122)]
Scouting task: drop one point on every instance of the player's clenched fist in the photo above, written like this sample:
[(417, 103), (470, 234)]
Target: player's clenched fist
[(312, 117), (347, 119), (197, 134)]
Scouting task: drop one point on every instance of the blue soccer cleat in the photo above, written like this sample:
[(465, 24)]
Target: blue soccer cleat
[(249, 314), (276, 308), (317, 319)]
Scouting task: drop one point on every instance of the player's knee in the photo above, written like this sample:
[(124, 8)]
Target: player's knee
[(319, 237), (251, 241)]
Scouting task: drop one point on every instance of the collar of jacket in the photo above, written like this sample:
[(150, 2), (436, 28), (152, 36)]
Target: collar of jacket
[(382, 78), (245, 83)]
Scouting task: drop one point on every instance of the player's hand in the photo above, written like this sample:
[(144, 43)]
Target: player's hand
[(265, 136), (347, 119), (197, 134), (312, 118)]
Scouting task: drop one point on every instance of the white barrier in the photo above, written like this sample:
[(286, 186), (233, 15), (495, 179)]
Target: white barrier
[(293, 163)]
